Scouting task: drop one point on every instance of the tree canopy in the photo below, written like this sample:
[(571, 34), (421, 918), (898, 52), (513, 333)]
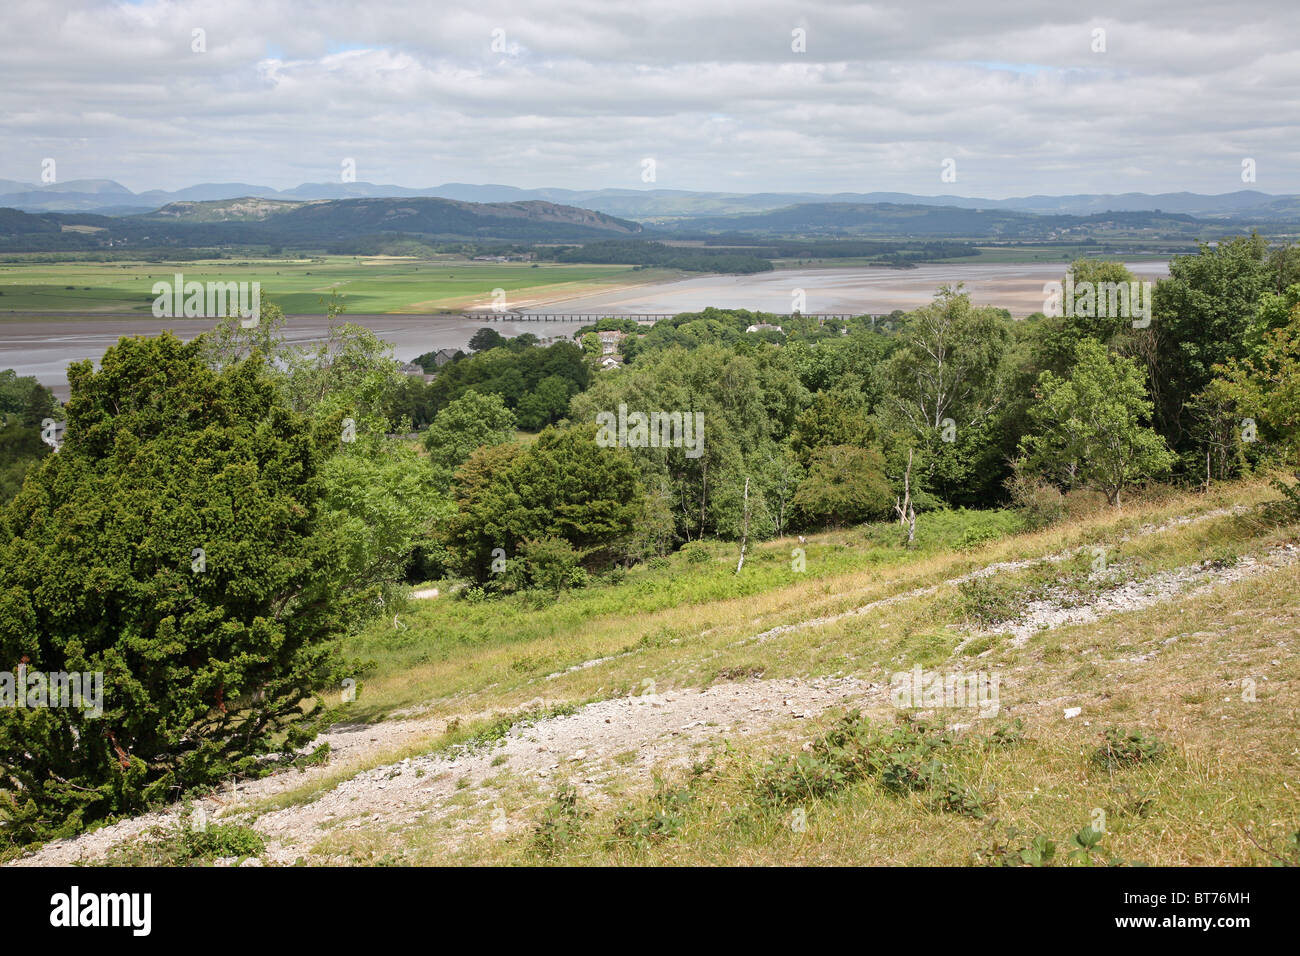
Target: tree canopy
[(179, 543)]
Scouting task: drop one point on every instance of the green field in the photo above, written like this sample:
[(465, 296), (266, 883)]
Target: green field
[(369, 284)]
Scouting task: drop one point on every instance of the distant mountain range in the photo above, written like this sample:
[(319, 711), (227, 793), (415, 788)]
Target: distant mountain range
[(106, 197)]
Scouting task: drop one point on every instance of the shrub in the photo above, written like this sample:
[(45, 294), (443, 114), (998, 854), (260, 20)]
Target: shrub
[(548, 563), (789, 781), (972, 538), (955, 797), (1015, 848), (1127, 749), (1008, 735), (1018, 848), (904, 758), (1039, 502), (1286, 510), (662, 819), (561, 823), (497, 730), (696, 553), (983, 603), (1083, 502), (187, 844), (1083, 844)]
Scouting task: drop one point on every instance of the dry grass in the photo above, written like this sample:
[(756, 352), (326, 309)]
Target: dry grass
[(514, 653)]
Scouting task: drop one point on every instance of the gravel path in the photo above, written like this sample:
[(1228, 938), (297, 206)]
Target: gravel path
[(984, 572), (656, 728), (1155, 589)]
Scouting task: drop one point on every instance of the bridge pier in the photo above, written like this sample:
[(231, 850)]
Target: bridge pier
[(642, 317)]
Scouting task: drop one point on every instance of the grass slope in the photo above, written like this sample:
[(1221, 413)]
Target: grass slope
[(1205, 677)]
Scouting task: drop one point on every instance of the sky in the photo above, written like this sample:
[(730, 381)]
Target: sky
[(723, 95)]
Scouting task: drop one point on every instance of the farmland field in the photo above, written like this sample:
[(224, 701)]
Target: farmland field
[(370, 284)]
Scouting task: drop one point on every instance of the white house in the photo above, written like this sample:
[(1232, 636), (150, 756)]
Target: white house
[(609, 342)]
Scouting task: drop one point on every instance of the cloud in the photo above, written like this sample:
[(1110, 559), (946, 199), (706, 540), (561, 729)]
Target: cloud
[(576, 92)]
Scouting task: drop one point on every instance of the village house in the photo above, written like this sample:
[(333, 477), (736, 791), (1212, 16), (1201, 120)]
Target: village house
[(609, 342), (411, 369), (443, 356)]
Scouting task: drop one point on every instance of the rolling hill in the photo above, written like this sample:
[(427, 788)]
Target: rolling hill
[(254, 221), (322, 223)]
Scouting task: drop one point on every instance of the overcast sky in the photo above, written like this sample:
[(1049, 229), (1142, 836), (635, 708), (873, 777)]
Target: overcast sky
[(577, 93)]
